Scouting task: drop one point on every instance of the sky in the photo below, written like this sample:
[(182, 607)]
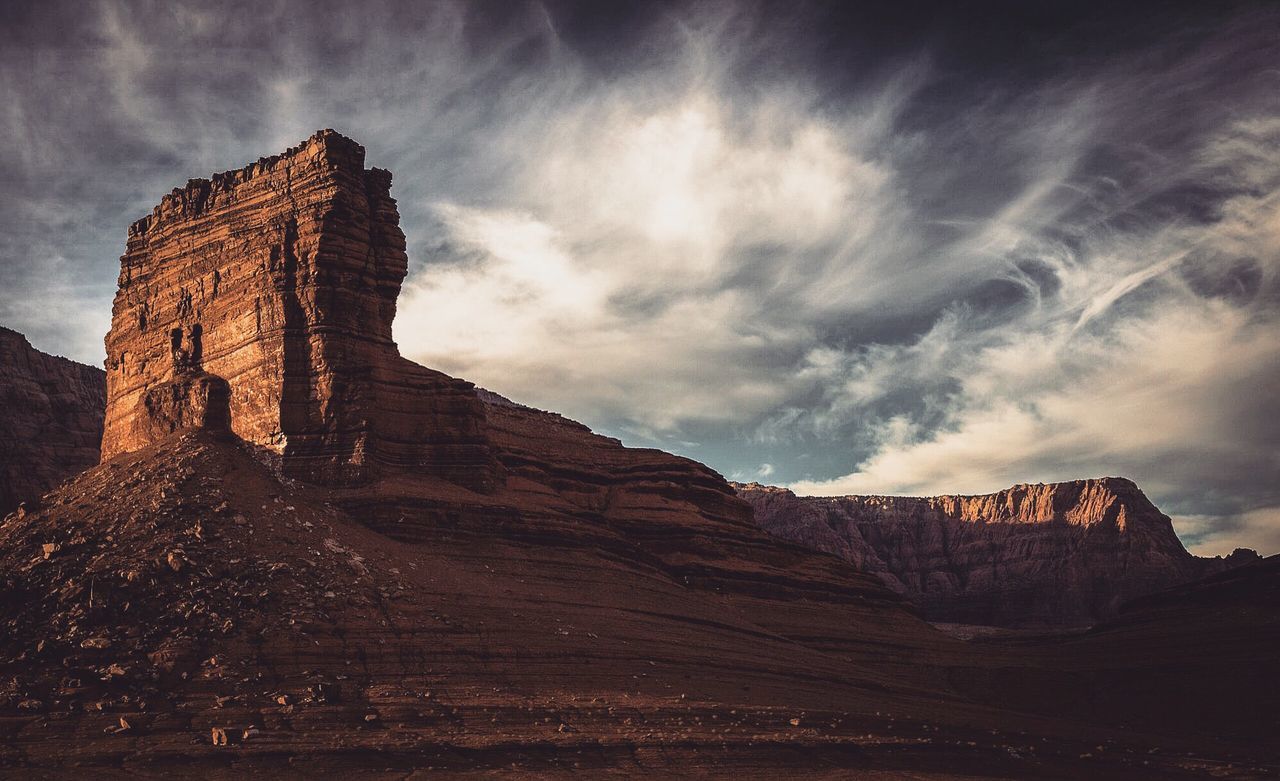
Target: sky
[(893, 248)]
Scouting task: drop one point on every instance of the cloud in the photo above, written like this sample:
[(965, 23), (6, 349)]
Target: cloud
[(627, 270), (1210, 535), (762, 472)]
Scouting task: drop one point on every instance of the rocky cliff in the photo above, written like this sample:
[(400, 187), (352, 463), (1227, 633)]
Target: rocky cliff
[(281, 279), (50, 419), (1060, 554)]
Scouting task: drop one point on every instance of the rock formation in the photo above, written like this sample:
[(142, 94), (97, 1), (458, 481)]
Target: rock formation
[(1060, 554), (456, 582), (50, 419), (281, 279), (1206, 645)]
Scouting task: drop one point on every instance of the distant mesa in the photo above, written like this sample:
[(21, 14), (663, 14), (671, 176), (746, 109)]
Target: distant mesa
[(1061, 554)]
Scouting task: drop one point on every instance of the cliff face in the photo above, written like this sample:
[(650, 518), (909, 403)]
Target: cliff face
[(281, 279), (1033, 555), (50, 419), (260, 301)]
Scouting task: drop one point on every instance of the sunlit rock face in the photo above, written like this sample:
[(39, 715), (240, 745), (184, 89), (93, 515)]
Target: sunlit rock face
[(281, 279), (1056, 554)]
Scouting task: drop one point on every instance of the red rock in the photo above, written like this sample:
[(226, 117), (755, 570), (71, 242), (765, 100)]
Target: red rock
[(191, 399), (281, 279), (50, 419), (1060, 554)]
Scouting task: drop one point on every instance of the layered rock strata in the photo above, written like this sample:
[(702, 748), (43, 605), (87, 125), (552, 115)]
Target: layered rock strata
[(50, 419), (184, 594), (281, 278), (1060, 554)]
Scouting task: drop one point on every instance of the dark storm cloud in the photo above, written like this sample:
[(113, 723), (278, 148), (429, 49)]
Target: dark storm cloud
[(898, 247)]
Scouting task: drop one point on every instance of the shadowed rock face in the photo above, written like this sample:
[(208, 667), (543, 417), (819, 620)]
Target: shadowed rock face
[(194, 399), (50, 419), (281, 278), (1060, 554)]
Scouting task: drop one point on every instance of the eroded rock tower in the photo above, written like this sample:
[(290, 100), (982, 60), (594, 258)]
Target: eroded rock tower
[(261, 300)]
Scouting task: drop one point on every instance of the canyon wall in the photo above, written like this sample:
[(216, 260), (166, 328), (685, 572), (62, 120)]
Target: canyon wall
[(1059, 554), (281, 279), (50, 419)]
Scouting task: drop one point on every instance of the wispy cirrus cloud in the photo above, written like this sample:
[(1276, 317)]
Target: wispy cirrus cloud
[(1154, 357)]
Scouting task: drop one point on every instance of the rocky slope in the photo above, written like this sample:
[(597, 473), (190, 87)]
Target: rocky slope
[(186, 594), (50, 419), (549, 604), (1060, 554)]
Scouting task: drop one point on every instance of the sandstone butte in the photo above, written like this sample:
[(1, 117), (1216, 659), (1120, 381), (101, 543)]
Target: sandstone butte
[(303, 556), (1043, 555), (50, 419), (277, 284)]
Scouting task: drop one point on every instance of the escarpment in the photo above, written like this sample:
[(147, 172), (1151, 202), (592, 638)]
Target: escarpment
[(1059, 554), (50, 419)]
